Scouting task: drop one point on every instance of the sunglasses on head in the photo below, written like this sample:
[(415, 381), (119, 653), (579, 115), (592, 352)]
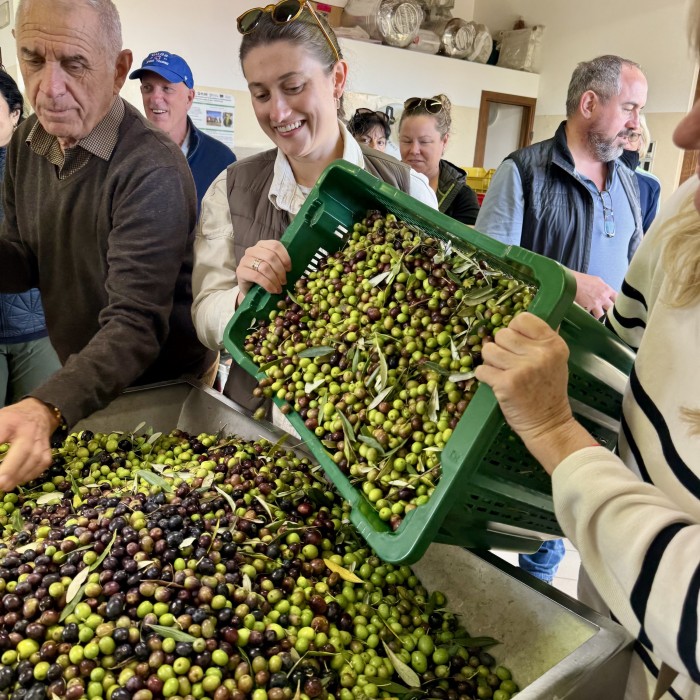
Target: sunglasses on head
[(431, 105), (283, 12), (366, 112)]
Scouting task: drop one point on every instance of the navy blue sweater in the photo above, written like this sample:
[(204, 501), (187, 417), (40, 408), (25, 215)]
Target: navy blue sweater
[(207, 157), (21, 315)]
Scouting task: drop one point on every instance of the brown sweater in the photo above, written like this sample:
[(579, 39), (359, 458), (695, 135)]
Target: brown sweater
[(110, 248)]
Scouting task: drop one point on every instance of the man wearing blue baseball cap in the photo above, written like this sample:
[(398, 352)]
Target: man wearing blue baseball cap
[(167, 89)]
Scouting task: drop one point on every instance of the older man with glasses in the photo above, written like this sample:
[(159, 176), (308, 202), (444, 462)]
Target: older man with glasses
[(570, 199)]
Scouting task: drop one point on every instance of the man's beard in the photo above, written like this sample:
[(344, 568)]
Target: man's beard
[(604, 148)]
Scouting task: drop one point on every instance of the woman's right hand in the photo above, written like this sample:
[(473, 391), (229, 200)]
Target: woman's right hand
[(267, 264)]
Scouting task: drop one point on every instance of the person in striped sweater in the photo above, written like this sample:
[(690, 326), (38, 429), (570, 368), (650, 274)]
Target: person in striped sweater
[(635, 518)]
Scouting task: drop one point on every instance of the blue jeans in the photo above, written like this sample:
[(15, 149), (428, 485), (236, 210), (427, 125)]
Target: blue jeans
[(23, 367), (544, 563)]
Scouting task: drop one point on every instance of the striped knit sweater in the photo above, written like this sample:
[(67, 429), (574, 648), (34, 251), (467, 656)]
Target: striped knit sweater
[(636, 520)]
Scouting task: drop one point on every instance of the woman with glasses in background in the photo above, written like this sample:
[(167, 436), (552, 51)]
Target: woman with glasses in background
[(296, 76), (370, 128), (424, 130), (649, 185)]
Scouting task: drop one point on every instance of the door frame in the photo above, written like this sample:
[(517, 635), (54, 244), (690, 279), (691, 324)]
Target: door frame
[(526, 123)]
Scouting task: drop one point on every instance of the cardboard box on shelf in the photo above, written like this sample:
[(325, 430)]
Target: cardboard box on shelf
[(332, 12)]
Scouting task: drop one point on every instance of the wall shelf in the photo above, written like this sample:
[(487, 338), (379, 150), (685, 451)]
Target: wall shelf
[(374, 70)]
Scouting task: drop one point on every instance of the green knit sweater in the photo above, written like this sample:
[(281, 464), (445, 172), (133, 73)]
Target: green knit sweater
[(110, 248)]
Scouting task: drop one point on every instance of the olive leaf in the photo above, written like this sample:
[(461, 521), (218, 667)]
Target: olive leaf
[(263, 502), (231, 502), (371, 442), (434, 367), (25, 547), (16, 520), (104, 554), (479, 295), (342, 572), (187, 542), (380, 397), (144, 564), (378, 279), (49, 498), (461, 376), (383, 378), (278, 445), (264, 367), (509, 293), (476, 642), (297, 695), (171, 633), (395, 688), (319, 498), (154, 479), (208, 480), (153, 438), (434, 404), (138, 427), (453, 350), (318, 351), (406, 673), (76, 583), (77, 501), (312, 386), (347, 427), (247, 583), (293, 299), (68, 610)]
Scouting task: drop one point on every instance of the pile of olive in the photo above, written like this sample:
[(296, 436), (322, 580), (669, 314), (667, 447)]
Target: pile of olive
[(376, 351), (200, 568)]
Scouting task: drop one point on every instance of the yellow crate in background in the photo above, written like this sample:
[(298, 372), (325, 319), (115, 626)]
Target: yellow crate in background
[(479, 179)]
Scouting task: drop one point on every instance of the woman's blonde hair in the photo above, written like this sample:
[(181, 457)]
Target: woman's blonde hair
[(681, 255)]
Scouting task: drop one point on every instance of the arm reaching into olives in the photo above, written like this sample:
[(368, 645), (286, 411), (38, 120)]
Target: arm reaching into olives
[(593, 294), (267, 264), (28, 425), (526, 368)]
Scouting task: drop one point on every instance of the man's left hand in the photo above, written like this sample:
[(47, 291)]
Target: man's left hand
[(28, 425)]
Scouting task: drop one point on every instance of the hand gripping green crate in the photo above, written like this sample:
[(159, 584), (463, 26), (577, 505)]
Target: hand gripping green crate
[(492, 493)]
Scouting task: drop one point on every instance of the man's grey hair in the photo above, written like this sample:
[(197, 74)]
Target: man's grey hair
[(109, 19), (601, 75)]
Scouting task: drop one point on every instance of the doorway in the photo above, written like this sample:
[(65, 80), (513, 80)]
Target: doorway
[(505, 124)]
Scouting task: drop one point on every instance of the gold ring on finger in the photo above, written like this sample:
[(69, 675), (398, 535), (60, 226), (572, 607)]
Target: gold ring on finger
[(256, 264)]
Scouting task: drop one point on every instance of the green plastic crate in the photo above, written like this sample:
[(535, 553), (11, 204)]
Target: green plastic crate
[(488, 477)]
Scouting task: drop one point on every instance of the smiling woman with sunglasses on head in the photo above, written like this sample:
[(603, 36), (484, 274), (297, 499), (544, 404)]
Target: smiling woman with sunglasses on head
[(424, 131), (296, 76)]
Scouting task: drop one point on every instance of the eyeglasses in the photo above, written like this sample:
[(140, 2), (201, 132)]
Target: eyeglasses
[(608, 217), (366, 112), (633, 137), (432, 106), (283, 12)]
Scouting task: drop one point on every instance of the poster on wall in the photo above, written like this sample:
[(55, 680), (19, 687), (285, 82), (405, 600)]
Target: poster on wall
[(212, 112)]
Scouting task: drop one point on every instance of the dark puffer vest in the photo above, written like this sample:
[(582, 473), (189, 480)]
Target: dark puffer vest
[(21, 315), (254, 218), (558, 215)]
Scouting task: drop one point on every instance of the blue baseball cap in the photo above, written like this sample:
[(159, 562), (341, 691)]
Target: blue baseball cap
[(168, 65)]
